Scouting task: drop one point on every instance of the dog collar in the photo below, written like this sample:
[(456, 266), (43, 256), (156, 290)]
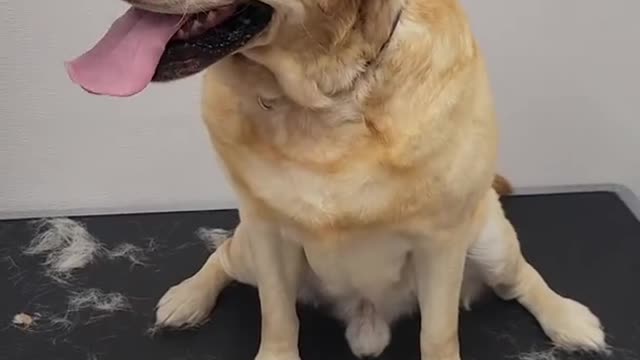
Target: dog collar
[(385, 44)]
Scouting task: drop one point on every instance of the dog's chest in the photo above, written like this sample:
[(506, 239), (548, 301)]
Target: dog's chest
[(365, 265), (317, 199)]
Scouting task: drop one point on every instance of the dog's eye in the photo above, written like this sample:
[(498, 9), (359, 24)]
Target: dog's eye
[(264, 104)]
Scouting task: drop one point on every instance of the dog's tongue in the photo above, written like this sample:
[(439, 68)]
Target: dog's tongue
[(125, 60)]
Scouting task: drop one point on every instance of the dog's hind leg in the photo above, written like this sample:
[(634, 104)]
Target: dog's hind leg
[(497, 256), (189, 303)]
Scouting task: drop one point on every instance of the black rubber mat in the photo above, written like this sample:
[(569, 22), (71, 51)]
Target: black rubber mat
[(586, 245)]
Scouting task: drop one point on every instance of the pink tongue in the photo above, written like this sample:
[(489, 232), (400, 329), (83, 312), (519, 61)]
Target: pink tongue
[(124, 61)]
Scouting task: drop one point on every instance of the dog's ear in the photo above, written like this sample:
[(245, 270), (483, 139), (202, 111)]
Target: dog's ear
[(371, 18), (377, 18)]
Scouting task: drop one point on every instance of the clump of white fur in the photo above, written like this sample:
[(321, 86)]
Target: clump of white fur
[(66, 243), (95, 299), (60, 323), (90, 299), (44, 322), (68, 246), (133, 253), (23, 320), (550, 354), (213, 238)]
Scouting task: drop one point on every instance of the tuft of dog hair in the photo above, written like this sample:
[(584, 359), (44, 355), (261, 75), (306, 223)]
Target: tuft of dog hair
[(67, 245), (502, 186)]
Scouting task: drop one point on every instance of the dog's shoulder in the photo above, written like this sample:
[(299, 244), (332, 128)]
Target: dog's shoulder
[(418, 136)]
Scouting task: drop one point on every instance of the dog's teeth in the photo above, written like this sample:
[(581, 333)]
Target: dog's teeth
[(197, 27), (211, 17), (181, 34)]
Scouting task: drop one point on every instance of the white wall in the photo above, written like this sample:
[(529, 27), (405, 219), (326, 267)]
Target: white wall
[(61, 148), (565, 74)]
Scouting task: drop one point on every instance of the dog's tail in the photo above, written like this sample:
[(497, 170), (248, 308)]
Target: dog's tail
[(502, 186)]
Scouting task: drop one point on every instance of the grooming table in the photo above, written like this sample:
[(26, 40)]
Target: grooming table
[(586, 245)]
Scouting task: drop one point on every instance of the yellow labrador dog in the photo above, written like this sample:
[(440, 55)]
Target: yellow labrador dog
[(360, 136)]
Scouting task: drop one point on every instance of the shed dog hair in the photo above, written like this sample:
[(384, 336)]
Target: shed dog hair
[(361, 139)]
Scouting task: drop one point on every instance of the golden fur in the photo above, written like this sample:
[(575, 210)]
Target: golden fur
[(364, 157)]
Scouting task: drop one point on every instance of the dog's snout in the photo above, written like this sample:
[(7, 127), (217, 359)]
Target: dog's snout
[(162, 6), (178, 6)]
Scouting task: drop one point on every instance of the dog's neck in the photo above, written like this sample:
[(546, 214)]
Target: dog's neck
[(386, 43), (342, 60)]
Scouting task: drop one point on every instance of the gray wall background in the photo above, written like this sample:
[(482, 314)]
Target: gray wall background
[(565, 74)]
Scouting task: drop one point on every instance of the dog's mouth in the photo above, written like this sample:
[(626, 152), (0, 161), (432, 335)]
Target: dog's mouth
[(143, 46)]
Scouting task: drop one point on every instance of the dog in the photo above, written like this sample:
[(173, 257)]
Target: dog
[(360, 137)]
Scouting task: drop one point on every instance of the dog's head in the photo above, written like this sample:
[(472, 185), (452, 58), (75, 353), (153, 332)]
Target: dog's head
[(163, 40), (229, 26)]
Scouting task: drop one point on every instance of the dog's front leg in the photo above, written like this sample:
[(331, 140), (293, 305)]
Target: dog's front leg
[(439, 267), (277, 265)]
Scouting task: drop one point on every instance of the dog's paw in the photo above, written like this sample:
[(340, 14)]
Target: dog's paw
[(572, 326), (368, 335), (187, 304)]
